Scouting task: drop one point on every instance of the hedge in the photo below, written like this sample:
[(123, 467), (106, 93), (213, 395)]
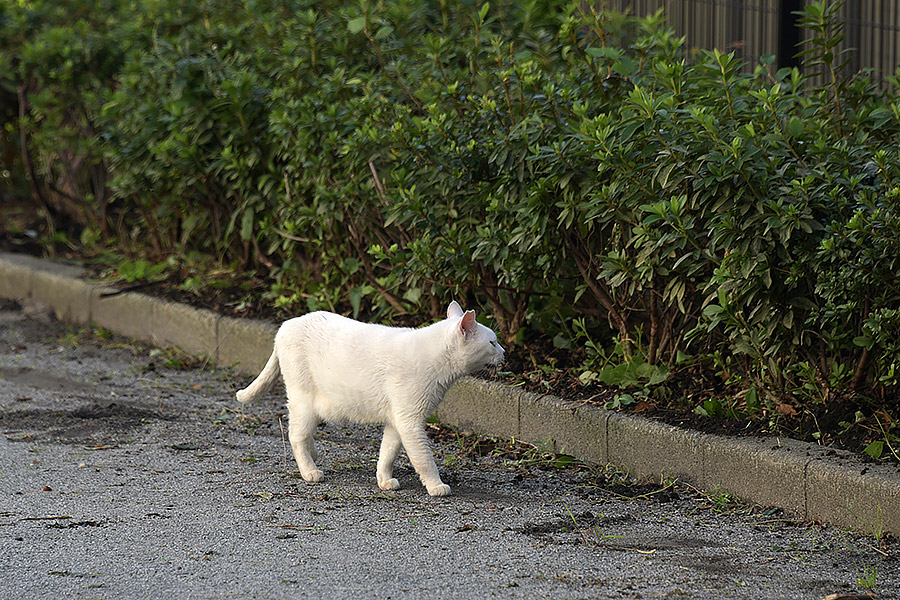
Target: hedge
[(578, 172)]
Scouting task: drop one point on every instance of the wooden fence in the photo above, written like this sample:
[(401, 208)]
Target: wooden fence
[(754, 28)]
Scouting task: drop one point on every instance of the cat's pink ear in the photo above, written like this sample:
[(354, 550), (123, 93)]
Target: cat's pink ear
[(454, 311), (467, 324)]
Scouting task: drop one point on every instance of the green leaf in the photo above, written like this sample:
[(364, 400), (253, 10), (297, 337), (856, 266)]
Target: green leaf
[(355, 296), (356, 25), (604, 52), (864, 342), (658, 375), (712, 310), (484, 10), (625, 66), (795, 126), (384, 32), (413, 294), (875, 449), (247, 224), (663, 174), (561, 341), (752, 400)]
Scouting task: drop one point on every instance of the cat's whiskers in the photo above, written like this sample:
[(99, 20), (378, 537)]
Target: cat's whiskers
[(488, 371)]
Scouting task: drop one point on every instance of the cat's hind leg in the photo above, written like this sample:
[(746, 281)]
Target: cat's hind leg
[(390, 448), (302, 424)]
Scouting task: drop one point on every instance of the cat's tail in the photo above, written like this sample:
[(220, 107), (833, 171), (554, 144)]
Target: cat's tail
[(263, 381)]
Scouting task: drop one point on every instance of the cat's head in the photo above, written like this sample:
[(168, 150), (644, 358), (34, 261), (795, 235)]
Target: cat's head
[(477, 345)]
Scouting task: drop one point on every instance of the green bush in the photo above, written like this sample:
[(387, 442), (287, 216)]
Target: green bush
[(548, 161)]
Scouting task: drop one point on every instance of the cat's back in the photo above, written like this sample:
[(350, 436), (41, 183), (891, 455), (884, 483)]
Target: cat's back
[(326, 329)]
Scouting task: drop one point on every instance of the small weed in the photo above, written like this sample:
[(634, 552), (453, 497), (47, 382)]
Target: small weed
[(878, 526), (131, 271), (888, 439), (624, 368), (75, 337), (721, 501), (592, 532), (866, 577), (177, 360), (875, 528), (540, 455), (514, 453)]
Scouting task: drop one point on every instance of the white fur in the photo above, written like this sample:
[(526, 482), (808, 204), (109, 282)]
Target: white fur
[(338, 369)]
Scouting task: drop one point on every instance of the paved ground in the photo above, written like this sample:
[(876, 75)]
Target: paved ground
[(123, 478)]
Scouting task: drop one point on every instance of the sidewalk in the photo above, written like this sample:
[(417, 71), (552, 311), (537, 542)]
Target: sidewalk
[(808, 481)]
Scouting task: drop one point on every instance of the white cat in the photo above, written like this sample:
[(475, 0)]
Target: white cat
[(335, 368)]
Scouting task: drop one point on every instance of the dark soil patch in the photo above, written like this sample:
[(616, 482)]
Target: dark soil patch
[(42, 379), (97, 424), (563, 524)]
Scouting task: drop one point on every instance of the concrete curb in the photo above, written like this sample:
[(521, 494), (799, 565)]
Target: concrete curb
[(807, 481)]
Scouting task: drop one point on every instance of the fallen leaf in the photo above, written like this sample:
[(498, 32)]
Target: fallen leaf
[(786, 409), (643, 406), (884, 416)]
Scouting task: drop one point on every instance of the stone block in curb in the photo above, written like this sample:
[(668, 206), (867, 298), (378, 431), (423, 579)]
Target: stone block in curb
[(654, 451), (477, 405), (865, 497), (68, 298), (244, 344), (15, 277), (127, 314), (161, 322), (589, 440), (769, 471), (565, 426), (193, 330)]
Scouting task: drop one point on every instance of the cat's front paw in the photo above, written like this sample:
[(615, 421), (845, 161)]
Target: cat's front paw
[(389, 484), (439, 489), (314, 476)]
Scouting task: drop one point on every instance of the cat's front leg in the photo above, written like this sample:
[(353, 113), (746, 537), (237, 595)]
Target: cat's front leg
[(416, 443), (390, 448)]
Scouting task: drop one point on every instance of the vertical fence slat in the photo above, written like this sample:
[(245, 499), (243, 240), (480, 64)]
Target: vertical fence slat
[(754, 28)]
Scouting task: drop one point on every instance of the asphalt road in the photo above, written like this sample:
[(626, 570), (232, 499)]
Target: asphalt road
[(121, 477)]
